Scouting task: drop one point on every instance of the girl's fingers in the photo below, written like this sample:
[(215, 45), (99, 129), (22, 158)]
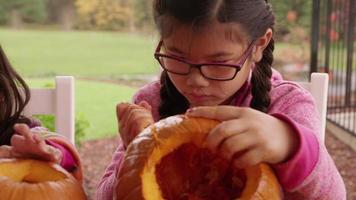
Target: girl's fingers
[(222, 132), (27, 144), (221, 113), (5, 151), (235, 145), (51, 154), (24, 130), (18, 142), (37, 138), (56, 156), (249, 158)]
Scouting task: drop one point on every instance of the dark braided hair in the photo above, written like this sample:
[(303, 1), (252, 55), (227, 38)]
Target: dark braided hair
[(261, 84), (14, 95), (255, 16)]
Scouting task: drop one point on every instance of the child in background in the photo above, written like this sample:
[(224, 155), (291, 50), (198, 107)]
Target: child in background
[(22, 136), (217, 57)]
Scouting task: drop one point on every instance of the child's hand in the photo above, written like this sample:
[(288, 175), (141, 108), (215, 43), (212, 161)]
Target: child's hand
[(27, 144), (133, 119), (247, 136), (5, 151)]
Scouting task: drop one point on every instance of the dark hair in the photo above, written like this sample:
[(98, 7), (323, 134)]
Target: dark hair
[(14, 95), (255, 16)]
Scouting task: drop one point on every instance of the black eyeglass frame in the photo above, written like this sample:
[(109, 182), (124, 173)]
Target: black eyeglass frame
[(237, 66)]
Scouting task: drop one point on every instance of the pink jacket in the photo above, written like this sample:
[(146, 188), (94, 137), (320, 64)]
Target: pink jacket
[(309, 174)]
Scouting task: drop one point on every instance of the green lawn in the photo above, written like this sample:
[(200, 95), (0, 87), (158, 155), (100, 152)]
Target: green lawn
[(95, 101), (46, 54), (94, 54)]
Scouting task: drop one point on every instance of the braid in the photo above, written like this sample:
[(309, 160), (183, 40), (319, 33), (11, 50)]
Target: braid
[(172, 102), (261, 80)]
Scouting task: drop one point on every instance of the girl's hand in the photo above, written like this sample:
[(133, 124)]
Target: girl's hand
[(247, 136), (132, 119), (5, 151), (27, 144)]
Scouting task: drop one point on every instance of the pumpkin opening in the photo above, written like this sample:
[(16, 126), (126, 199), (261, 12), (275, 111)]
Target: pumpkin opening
[(25, 171), (168, 160), (194, 173)]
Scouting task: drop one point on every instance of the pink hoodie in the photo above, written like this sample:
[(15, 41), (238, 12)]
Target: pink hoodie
[(309, 174)]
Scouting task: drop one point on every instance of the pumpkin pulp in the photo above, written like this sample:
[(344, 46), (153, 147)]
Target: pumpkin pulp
[(193, 173)]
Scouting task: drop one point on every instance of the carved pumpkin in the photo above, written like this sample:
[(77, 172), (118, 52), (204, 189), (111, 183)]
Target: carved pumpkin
[(34, 180), (168, 161)]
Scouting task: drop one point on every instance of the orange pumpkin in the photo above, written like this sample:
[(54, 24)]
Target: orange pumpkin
[(33, 180), (168, 160)]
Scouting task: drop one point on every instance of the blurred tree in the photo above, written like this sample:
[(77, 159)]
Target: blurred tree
[(61, 12), (291, 14), (15, 12), (105, 14), (143, 13)]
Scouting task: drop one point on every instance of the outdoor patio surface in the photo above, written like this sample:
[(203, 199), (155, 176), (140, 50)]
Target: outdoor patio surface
[(96, 155)]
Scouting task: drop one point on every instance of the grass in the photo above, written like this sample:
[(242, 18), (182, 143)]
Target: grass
[(338, 57), (38, 53), (48, 53), (89, 54), (95, 101)]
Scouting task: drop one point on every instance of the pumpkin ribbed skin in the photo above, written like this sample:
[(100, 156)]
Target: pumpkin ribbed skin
[(137, 177), (34, 180)]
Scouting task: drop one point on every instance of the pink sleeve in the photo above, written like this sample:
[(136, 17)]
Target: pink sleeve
[(105, 189), (150, 94), (310, 173), (292, 172), (67, 162)]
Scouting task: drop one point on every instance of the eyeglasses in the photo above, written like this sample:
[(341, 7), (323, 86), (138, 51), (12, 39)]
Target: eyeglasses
[(212, 71)]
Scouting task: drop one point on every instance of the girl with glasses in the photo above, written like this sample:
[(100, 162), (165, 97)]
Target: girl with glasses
[(217, 58), (23, 136)]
